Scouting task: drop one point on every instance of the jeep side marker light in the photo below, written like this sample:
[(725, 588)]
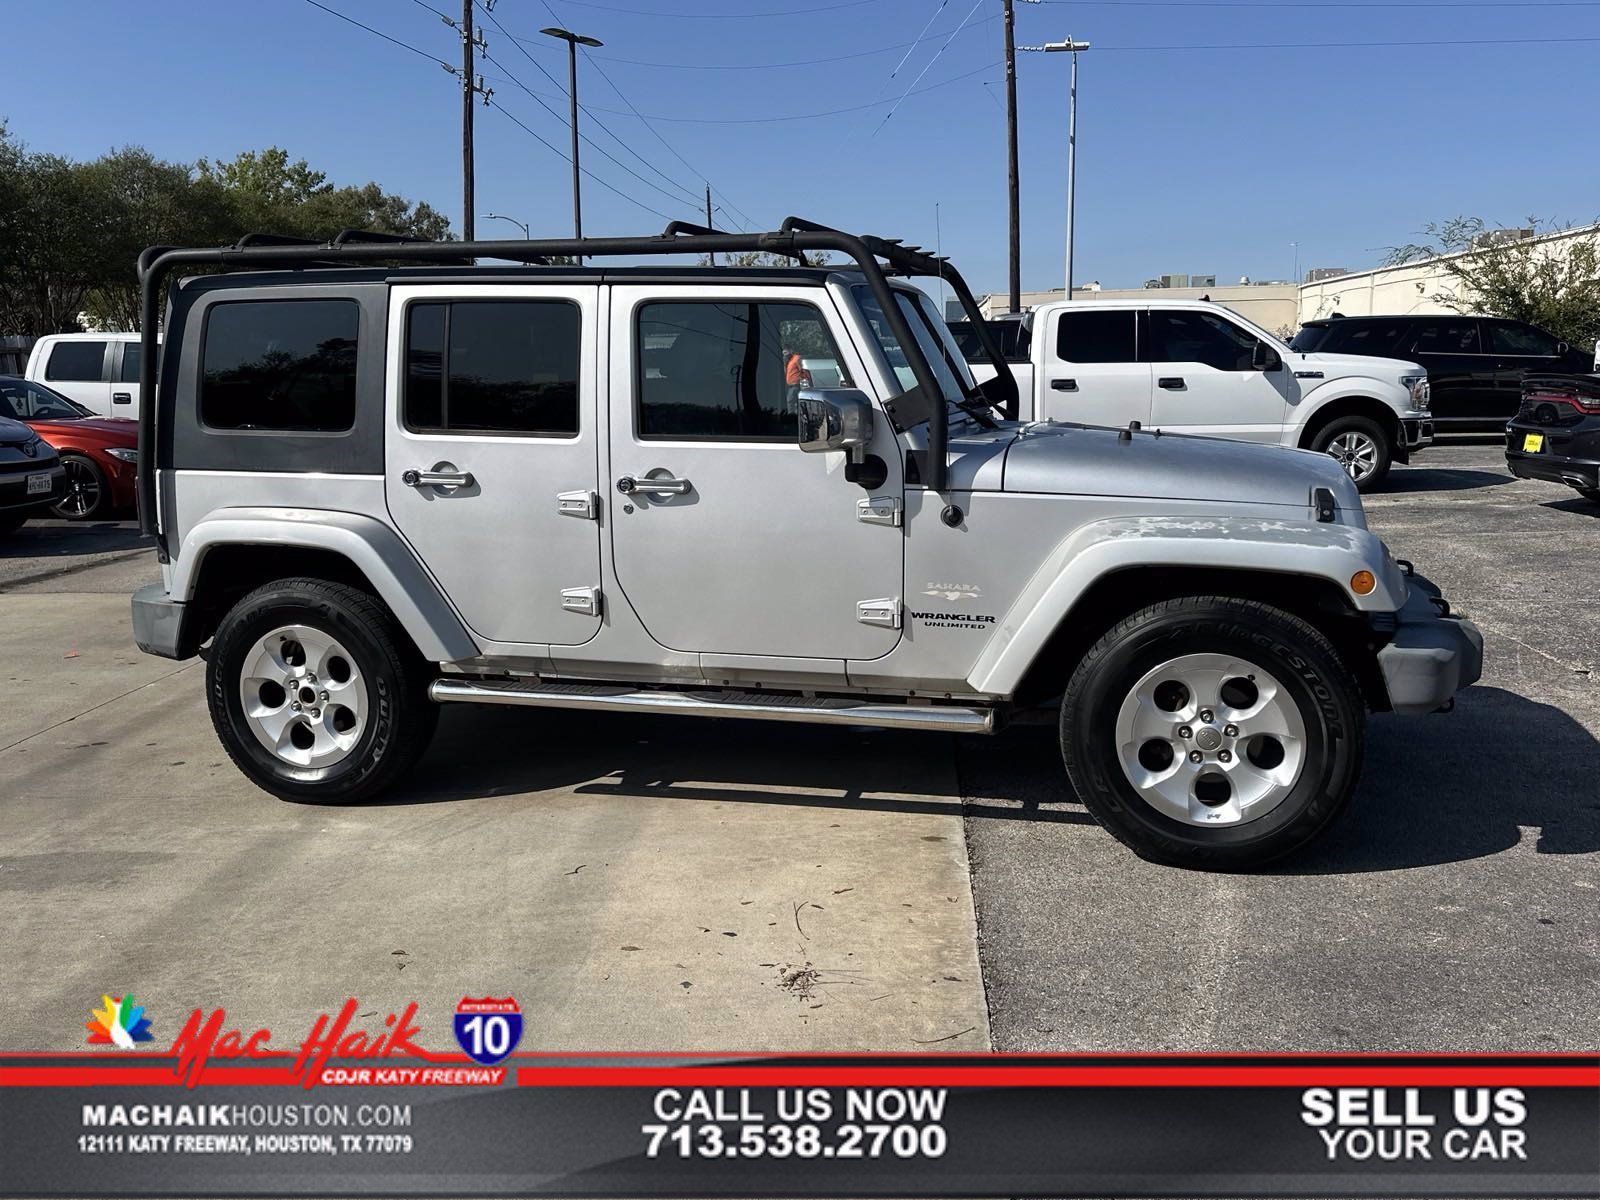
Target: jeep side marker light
[(1362, 583)]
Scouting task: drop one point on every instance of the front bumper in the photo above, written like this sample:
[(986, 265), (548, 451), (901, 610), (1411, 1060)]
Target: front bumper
[(1430, 655), (158, 622), (14, 494), (1419, 432)]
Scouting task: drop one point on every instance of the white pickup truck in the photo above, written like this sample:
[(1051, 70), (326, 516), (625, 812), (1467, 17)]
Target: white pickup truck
[(1190, 366)]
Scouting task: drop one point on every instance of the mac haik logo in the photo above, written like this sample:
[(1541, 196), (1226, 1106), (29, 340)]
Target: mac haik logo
[(952, 591), (488, 1029), (120, 1023), (207, 1037)]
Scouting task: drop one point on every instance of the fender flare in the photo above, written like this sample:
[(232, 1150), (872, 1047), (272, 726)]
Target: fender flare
[(1326, 552), (1350, 387), (373, 547)]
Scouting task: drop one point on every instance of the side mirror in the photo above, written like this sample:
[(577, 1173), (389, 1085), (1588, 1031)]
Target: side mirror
[(834, 419), (1265, 358)]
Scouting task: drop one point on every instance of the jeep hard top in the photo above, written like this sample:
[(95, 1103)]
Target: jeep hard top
[(386, 475)]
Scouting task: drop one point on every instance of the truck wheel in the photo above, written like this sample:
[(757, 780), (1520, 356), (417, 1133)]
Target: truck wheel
[(1213, 732), (1360, 446), (316, 693)]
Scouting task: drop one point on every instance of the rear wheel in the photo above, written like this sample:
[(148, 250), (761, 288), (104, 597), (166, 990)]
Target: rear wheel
[(316, 692), (86, 496), (1359, 445), (1213, 732)]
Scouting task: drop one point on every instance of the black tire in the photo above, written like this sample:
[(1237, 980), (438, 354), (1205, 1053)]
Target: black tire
[(1365, 427), (10, 522), (402, 717), (85, 481), (1311, 675)]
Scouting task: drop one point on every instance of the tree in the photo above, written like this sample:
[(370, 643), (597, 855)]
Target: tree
[(1551, 280), (767, 258)]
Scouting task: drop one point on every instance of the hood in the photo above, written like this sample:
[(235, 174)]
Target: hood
[(14, 433), (1089, 461), (111, 431), (1335, 365)]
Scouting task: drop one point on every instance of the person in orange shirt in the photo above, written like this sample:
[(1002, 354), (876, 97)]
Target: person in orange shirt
[(795, 377)]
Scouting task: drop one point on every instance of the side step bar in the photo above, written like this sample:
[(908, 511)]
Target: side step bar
[(748, 705)]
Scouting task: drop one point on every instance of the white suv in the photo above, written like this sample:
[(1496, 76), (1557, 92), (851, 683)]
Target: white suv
[(1190, 366)]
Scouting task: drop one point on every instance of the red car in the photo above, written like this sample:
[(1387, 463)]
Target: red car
[(100, 454)]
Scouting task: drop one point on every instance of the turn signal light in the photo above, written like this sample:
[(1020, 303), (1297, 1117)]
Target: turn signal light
[(1362, 583)]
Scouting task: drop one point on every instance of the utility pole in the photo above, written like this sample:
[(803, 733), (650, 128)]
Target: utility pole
[(712, 256), (468, 201), (573, 41), (1013, 200)]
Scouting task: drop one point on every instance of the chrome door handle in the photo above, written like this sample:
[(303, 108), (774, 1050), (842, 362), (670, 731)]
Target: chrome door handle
[(122, 397), (659, 486), (445, 479)]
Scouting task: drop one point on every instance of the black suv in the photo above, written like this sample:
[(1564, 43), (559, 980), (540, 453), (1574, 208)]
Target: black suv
[(1475, 364)]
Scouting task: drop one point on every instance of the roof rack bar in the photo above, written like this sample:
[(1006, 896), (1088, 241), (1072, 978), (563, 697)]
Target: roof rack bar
[(792, 239), (345, 236)]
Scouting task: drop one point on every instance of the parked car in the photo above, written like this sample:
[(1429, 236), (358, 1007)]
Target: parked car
[(403, 505), (1555, 435), (98, 370), (31, 478), (1475, 364), (1190, 366), (98, 453)]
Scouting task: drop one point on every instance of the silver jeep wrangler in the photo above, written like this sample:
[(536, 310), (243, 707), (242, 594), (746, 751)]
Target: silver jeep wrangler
[(383, 476)]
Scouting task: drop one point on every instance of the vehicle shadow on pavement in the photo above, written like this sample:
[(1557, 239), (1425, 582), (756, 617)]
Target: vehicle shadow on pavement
[(1575, 504), (1441, 479), (506, 752), (1497, 771), (59, 539)]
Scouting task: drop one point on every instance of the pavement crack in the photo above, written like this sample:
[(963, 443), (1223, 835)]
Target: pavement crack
[(96, 707)]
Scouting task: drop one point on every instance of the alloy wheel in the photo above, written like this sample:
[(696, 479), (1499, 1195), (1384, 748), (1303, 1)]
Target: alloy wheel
[(1356, 452), (1210, 740), (303, 696), (83, 491)]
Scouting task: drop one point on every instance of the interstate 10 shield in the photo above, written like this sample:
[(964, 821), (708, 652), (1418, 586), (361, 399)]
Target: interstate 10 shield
[(488, 1029)]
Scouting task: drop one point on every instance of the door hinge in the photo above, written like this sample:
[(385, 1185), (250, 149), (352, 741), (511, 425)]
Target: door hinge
[(885, 612), (583, 505), (878, 510), (585, 600)]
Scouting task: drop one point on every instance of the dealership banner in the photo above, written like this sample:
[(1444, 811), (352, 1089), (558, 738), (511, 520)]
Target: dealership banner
[(229, 1112)]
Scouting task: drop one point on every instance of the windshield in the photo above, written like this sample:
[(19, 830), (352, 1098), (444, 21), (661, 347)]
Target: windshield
[(933, 338), (1308, 338), (22, 400)]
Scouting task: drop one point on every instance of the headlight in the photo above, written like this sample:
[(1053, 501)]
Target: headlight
[(1417, 385), (123, 454)]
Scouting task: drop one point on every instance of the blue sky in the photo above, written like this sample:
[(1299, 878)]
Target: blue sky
[(1190, 160)]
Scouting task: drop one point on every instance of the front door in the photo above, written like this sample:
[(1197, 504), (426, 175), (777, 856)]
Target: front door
[(1094, 373), (492, 452), (727, 538), (1204, 381)]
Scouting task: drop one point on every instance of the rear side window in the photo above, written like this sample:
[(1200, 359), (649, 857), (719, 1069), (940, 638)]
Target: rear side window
[(1097, 337), (1524, 340), (1372, 338), (77, 362), (1447, 337), (1309, 338), (280, 365), (493, 366), (727, 370)]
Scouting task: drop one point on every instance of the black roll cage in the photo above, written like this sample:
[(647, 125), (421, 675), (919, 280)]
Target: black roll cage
[(794, 238)]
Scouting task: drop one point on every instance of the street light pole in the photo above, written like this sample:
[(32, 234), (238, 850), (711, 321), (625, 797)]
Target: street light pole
[(573, 41), (523, 225), (1073, 48)]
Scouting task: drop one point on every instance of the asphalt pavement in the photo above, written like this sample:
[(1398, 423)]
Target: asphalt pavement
[(655, 884)]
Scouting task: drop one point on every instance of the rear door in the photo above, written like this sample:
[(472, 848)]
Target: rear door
[(125, 379), (727, 538), (1518, 347), (1204, 380), (1461, 376), (1093, 373), (491, 455), (80, 369)]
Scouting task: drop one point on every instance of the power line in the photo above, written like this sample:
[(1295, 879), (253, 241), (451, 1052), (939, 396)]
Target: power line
[(773, 66), (567, 159), (719, 16), (970, 13), (1377, 5), (1560, 41), (379, 33)]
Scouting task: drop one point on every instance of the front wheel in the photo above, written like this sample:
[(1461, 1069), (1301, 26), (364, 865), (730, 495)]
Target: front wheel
[(1213, 732), (316, 693), (87, 495), (1360, 446)]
